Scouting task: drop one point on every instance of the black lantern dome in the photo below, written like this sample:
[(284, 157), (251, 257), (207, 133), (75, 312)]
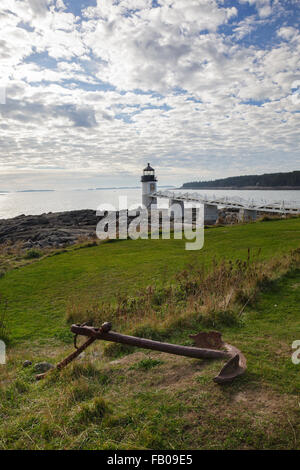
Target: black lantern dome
[(148, 174)]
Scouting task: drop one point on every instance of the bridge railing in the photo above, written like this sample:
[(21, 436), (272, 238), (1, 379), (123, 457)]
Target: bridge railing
[(235, 202)]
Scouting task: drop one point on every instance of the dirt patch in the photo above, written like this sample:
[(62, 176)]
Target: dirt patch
[(130, 359), (264, 401), (174, 373)]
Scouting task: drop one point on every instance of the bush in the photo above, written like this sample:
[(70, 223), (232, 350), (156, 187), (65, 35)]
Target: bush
[(32, 254)]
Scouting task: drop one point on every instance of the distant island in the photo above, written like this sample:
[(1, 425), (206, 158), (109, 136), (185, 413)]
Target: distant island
[(289, 180), (35, 191)]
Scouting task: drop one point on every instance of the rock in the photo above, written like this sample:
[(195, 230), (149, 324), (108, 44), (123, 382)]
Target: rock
[(96, 354), (27, 363), (43, 367), (231, 218), (27, 245), (56, 229)]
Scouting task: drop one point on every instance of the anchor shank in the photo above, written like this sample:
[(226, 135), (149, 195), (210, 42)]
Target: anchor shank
[(188, 351)]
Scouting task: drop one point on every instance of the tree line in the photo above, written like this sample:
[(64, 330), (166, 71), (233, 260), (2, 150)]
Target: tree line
[(267, 180)]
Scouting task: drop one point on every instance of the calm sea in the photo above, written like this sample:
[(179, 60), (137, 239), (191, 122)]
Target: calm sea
[(13, 204)]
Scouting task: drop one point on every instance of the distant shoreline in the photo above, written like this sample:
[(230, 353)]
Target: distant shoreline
[(240, 188)]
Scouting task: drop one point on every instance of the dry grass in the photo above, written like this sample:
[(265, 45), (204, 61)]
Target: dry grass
[(4, 332), (216, 295), (267, 217)]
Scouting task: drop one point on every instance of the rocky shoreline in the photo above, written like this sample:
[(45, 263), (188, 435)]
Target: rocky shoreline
[(59, 229), (49, 230)]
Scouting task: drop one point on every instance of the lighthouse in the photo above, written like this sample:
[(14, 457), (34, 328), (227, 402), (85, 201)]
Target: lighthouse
[(149, 185)]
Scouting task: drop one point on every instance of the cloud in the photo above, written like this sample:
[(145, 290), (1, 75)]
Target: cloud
[(39, 7), (82, 117), (263, 7), (193, 86), (288, 33)]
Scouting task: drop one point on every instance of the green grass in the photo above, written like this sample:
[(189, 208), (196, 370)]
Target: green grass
[(146, 364), (38, 294), (151, 400), (274, 321)]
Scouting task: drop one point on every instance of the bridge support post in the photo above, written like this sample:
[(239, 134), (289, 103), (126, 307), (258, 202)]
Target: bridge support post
[(247, 215), (177, 208), (210, 214)]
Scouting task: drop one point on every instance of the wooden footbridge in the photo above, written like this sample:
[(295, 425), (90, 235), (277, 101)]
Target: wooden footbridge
[(281, 207), (248, 209)]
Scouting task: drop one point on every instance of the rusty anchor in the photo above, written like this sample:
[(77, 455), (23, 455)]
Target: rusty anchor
[(207, 346)]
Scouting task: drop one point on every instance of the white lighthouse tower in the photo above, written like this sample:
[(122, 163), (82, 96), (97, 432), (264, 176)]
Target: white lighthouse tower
[(149, 185)]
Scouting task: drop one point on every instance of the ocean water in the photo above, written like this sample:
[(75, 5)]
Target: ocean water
[(33, 203)]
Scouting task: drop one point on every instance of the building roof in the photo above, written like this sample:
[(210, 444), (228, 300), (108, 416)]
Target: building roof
[(148, 168)]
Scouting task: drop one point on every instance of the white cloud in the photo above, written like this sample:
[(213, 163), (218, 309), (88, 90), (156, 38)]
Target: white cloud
[(59, 113), (263, 7), (288, 33), (39, 7)]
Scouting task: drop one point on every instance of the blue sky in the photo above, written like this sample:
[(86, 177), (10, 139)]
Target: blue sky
[(94, 89)]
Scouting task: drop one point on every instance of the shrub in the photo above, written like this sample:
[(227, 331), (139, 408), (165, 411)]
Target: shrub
[(32, 254)]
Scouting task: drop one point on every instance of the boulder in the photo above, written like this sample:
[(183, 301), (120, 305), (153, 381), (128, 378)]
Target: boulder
[(27, 363), (41, 367)]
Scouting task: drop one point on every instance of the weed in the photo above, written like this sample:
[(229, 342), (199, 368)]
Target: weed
[(146, 364)]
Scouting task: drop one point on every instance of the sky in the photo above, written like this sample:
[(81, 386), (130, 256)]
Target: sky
[(92, 90)]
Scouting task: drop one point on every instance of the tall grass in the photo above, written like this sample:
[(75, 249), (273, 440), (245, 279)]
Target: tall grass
[(216, 296), (4, 331)]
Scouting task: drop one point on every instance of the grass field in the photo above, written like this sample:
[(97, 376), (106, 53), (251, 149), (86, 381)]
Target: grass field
[(146, 399), (37, 295)]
